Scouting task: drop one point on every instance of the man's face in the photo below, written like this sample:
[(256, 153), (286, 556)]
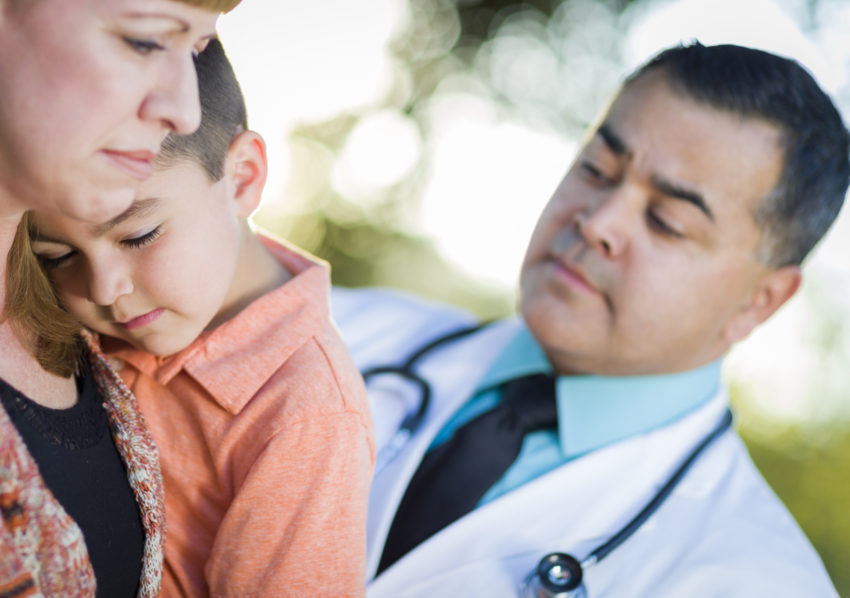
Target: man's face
[(644, 260)]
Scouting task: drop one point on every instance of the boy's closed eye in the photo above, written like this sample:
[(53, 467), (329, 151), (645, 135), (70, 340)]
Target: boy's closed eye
[(51, 255), (143, 239)]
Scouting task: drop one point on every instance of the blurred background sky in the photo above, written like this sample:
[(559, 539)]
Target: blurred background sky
[(413, 144)]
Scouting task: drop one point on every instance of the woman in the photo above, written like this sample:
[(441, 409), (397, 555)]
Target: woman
[(88, 90)]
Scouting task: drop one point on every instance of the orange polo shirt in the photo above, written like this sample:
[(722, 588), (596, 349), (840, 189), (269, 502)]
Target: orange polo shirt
[(267, 448)]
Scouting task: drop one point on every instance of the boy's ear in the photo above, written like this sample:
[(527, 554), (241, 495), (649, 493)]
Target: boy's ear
[(775, 288), (246, 169)]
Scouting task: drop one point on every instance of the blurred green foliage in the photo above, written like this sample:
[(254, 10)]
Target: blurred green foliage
[(379, 241), (811, 478)]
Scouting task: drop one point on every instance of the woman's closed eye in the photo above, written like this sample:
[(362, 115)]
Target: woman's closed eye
[(144, 46)]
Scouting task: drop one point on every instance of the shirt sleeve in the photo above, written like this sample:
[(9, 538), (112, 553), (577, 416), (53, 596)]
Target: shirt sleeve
[(297, 523)]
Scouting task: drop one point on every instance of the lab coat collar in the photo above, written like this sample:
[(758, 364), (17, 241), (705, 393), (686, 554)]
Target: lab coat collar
[(595, 411)]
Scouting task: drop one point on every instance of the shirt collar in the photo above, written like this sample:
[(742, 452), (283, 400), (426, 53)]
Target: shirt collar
[(261, 338), (594, 411)]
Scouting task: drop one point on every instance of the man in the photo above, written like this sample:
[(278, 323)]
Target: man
[(680, 227)]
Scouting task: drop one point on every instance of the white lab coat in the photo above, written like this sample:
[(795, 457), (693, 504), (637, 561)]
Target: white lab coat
[(721, 533)]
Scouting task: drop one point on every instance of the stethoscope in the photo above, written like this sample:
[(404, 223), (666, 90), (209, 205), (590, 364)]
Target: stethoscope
[(414, 417), (557, 575)]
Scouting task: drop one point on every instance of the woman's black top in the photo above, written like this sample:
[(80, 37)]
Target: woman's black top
[(76, 456)]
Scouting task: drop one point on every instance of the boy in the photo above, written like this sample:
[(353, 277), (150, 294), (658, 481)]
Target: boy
[(259, 415)]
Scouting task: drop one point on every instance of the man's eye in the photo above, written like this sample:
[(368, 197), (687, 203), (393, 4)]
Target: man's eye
[(144, 46), (595, 173), (142, 240), (658, 224)]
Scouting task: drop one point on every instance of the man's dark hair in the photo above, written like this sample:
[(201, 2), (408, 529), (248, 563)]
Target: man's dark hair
[(756, 84), (223, 116)]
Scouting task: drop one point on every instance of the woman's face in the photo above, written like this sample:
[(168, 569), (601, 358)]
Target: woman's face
[(88, 91)]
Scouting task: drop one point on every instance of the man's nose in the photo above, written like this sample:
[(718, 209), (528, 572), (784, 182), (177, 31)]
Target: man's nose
[(606, 225)]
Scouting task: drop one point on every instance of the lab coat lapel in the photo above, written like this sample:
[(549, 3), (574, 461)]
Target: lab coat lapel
[(453, 372), (573, 508)]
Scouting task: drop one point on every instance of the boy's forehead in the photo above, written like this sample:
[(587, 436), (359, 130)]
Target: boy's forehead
[(139, 207), (48, 226)]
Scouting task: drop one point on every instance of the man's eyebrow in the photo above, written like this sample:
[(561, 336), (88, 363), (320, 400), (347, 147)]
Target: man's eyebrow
[(678, 192), (137, 208), (617, 145), (614, 142)]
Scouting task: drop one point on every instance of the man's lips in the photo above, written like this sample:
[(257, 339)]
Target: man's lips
[(136, 163), (573, 275), (142, 320)]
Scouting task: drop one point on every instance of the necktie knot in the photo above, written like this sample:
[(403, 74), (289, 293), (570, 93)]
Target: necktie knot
[(453, 477), (532, 401)]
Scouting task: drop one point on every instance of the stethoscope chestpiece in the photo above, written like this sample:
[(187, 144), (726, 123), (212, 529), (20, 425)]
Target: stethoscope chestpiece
[(558, 575)]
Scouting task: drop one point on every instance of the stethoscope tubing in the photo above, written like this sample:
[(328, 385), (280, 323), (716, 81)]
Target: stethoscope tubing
[(652, 506), (414, 419)]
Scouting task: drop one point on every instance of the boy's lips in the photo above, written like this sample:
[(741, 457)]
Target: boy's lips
[(137, 163), (142, 320)]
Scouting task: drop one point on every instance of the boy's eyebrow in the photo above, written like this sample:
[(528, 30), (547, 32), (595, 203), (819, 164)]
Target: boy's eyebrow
[(137, 208), (39, 237)]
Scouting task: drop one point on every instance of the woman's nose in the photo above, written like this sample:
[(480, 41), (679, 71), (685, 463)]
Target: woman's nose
[(173, 99)]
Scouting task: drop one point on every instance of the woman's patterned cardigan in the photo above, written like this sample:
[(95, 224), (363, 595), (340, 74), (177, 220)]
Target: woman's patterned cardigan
[(42, 551)]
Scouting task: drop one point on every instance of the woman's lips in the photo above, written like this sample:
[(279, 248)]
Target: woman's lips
[(142, 320), (138, 164)]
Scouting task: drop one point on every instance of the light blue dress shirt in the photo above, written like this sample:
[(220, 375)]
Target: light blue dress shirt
[(593, 411)]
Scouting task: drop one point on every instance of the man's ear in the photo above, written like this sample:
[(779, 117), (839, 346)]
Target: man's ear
[(246, 169), (776, 287)]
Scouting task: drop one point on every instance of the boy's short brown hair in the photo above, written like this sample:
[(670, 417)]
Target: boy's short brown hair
[(223, 116), (213, 5)]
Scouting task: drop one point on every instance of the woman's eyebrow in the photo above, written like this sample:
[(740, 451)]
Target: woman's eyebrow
[(177, 25)]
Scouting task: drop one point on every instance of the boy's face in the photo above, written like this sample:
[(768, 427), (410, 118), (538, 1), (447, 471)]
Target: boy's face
[(88, 91), (158, 274), (644, 260)]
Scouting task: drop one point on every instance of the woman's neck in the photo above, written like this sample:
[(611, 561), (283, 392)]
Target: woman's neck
[(8, 227)]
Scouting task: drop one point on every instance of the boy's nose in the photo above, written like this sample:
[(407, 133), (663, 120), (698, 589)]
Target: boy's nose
[(108, 283)]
